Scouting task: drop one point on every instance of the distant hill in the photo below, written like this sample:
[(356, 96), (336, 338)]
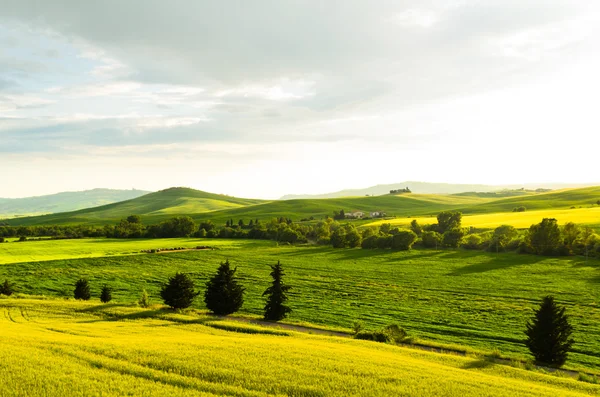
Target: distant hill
[(153, 207), (65, 201), (430, 188)]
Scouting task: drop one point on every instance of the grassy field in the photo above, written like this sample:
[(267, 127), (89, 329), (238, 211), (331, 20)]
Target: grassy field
[(475, 299), (82, 349), (520, 220), (45, 250)]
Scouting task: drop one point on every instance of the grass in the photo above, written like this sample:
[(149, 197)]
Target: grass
[(474, 299), (44, 250), (520, 220), (74, 349)]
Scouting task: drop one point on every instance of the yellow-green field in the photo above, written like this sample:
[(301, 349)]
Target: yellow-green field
[(66, 348), (520, 220), (45, 250)]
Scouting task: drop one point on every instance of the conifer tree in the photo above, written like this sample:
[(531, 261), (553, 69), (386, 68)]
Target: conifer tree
[(179, 291), (224, 294), (106, 294), (549, 334), (82, 290), (275, 309), (6, 288)]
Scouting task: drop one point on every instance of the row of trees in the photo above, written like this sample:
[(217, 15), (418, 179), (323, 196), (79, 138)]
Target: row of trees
[(223, 295)]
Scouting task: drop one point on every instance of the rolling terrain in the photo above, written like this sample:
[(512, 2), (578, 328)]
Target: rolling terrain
[(66, 201), (159, 206)]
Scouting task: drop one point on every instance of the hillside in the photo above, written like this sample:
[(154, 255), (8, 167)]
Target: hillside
[(430, 188), (152, 207), (65, 201)]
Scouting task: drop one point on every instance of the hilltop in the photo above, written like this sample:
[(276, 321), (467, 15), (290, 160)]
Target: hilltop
[(65, 201)]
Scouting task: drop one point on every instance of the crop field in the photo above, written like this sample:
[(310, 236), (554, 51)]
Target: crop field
[(520, 220), (475, 299), (82, 349), (44, 250)]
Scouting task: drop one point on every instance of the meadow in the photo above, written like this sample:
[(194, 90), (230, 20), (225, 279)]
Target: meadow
[(478, 300), (520, 220), (82, 349)]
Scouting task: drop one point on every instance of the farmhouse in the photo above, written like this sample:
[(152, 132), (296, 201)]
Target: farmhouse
[(378, 214), (355, 214)]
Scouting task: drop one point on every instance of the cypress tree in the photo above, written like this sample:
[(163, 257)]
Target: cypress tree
[(549, 334), (224, 294), (275, 309), (179, 291), (106, 294), (82, 290), (6, 288)]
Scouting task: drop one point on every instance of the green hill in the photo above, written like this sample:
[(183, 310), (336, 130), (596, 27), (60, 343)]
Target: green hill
[(152, 207), (65, 201)]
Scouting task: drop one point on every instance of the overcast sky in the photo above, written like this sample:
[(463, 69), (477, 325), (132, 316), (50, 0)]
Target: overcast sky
[(264, 98)]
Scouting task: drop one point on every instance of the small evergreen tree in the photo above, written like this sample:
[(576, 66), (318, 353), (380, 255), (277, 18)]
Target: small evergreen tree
[(275, 309), (224, 294), (144, 299), (6, 288), (106, 294), (549, 334), (82, 290), (179, 291)]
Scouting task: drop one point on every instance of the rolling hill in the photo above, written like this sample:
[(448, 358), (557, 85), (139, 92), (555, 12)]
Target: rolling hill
[(164, 204), (65, 201)]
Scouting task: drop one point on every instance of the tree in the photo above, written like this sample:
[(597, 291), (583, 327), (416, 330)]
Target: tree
[(502, 236), (571, 233), (549, 334), (275, 309), (431, 239), (415, 227), (448, 220), (106, 294), (224, 294), (452, 238), (144, 299), (178, 292), (338, 238), (6, 288), (544, 237), (82, 290), (134, 219), (353, 237), (403, 240), (180, 226)]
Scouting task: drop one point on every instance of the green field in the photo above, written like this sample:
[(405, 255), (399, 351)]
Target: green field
[(475, 299), (52, 348)]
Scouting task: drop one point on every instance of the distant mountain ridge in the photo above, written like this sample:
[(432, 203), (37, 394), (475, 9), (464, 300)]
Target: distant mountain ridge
[(432, 188), (65, 201)]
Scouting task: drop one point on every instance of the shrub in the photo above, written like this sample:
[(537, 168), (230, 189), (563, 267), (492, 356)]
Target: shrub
[(144, 299), (6, 288), (519, 209), (357, 327), (224, 294), (178, 292), (22, 238), (375, 336), (105, 294), (395, 333), (1, 239), (452, 238), (431, 239), (472, 242), (82, 290), (545, 237), (370, 242), (549, 334), (403, 240)]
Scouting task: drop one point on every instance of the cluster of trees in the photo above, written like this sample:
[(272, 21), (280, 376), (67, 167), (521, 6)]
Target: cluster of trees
[(223, 295), (400, 191)]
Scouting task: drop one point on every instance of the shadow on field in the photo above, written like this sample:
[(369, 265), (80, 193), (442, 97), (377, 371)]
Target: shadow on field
[(478, 364), (499, 262)]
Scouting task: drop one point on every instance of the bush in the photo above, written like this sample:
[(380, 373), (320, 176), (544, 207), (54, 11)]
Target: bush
[(472, 242), (375, 336), (1, 239), (178, 292), (22, 238), (403, 240), (6, 288), (452, 238), (431, 239), (82, 290), (144, 299), (224, 295), (395, 333), (519, 209), (370, 242), (106, 294)]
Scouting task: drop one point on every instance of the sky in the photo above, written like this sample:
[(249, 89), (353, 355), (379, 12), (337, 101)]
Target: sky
[(267, 98)]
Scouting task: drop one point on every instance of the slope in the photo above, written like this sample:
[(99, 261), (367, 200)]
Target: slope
[(65, 201), (152, 207)]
